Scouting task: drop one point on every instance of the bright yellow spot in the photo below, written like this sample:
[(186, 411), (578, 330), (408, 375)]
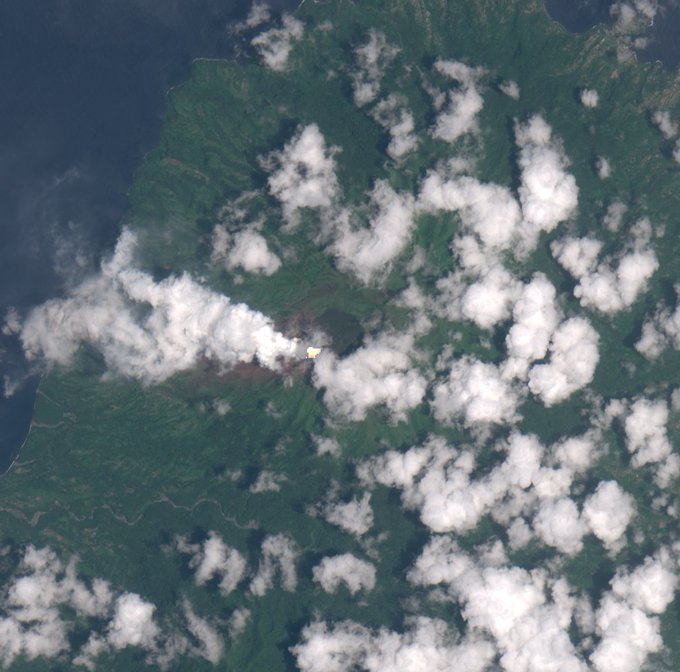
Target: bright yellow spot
[(312, 352)]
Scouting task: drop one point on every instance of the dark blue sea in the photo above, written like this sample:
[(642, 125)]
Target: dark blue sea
[(83, 90)]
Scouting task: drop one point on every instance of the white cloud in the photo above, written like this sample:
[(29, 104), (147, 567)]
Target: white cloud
[(183, 322), (626, 619), (589, 98), (608, 511), (464, 103), (259, 13), (326, 445), (627, 637), (488, 300), (425, 645), (645, 428), (661, 330), (632, 16), (266, 481), (392, 114), (508, 604), (510, 88), (607, 288), (213, 558), (662, 120), (559, 524), (210, 643), (603, 167), (576, 453), (274, 45), (246, 249), (577, 256), (535, 318), (33, 626), (377, 373), (279, 554), (368, 253), (571, 366), (133, 623), (302, 174), (650, 586), (44, 602), (437, 481), (676, 152), (345, 569), (614, 216), (476, 393), (372, 59), (547, 193), (238, 621), (354, 517), (647, 439), (489, 211)]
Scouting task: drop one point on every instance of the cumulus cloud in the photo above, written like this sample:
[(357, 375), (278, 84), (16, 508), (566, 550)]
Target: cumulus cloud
[(645, 428), (589, 98), (660, 331), (372, 59), (274, 45), (259, 13), (485, 300), (133, 623), (518, 617), (459, 115), (510, 88), (45, 601), (369, 252), (392, 114), (626, 620), (603, 286), (535, 318), (214, 559), (510, 605), (354, 517), (573, 357), (614, 216), (558, 524), (345, 569), (150, 330), (676, 152), (547, 193), (476, 393), (266, 481), (608, 511), (631, 16), (33, 625), (647, 439), (210, 642), (245, 249), (487, 211), (302, 174), (279, 554), (380, 372), (445, 486), (426, 644), (602, 167), (662, 120)]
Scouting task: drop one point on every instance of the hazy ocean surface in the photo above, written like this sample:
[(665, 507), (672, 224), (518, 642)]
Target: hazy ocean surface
[(84, 86)]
